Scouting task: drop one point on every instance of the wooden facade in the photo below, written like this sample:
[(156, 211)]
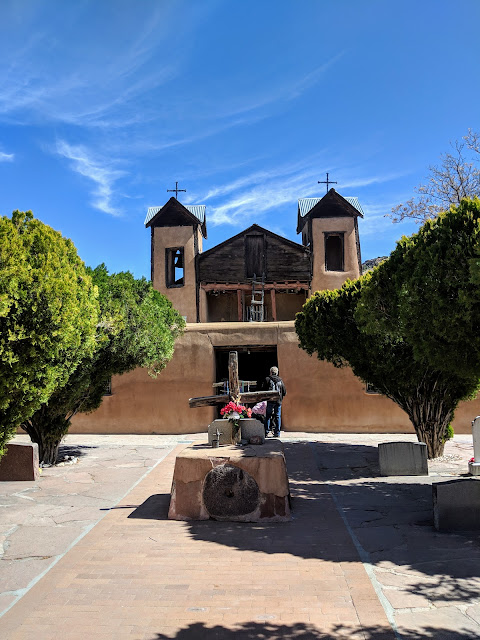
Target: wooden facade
[(256, 275), (255, 251)]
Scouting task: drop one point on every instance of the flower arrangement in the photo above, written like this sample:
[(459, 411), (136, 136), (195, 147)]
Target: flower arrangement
[(235, 412)]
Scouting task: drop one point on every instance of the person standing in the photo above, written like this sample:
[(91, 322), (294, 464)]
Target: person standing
[(273, 382)]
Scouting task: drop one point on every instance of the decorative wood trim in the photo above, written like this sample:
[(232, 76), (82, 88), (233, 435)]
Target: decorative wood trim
[(278, 286), (274, 305), (152, 254)]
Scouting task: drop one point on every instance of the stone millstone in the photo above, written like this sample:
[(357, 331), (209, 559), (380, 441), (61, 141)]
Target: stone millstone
[(229, 492)]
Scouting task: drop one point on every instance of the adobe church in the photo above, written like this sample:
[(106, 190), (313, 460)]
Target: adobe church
[(243, 295)]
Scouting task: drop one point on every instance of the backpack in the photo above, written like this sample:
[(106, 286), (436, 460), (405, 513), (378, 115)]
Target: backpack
[(275, 386)]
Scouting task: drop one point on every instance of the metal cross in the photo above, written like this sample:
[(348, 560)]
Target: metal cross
[(327, 182), (177, 189)]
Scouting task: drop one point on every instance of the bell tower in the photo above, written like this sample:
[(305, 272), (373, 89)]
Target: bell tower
[(177, 232), (329, 228)]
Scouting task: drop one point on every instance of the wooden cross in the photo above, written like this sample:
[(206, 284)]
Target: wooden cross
[(250, 397), (327, 182), (177, 189)]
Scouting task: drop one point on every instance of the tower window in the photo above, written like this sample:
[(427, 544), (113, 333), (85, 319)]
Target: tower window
[(334, 252), (174, 267)]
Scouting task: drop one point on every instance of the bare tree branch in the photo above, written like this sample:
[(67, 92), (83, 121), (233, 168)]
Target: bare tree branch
[(456, 177)]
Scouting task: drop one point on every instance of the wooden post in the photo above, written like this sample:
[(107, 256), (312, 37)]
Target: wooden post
[(233, 382), (274, 305), (239, 305)]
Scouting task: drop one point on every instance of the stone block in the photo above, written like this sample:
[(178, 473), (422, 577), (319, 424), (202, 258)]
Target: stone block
[(225, 429), (250, 427), (456, 505), (21, 462), (246, 484), (403, 459), (474, 468)]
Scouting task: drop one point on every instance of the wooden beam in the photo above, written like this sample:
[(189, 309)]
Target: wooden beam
[(233, 382), (252, 397), (239, 305), (249, 397), (274, 305), (208, 401), (279, 286)]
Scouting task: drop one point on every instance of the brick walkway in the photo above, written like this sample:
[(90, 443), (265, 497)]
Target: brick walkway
[(138, 575)]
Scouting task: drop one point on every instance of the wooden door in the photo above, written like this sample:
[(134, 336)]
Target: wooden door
[(254, 256)]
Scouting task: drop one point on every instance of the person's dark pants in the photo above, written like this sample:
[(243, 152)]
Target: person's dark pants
[(273, 409)]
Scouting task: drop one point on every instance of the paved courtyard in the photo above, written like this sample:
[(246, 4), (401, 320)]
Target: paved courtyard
[(88, 551)]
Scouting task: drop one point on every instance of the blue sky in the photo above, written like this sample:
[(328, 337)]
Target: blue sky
[(105, 104)]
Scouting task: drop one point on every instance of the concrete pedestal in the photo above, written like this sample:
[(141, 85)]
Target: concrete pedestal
[(248, 484), (403, 459), (21, 462)]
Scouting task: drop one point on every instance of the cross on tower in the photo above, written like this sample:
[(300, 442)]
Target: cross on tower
[(327, 182), (250, 397), (177, 189)]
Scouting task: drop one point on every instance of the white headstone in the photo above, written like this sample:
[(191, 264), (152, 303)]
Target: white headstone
[(474, 467)]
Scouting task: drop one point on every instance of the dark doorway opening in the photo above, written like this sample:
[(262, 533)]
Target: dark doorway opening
[(254, 364)]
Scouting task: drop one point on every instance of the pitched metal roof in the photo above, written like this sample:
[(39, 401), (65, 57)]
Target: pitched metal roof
[(197, 210), (306, 204)]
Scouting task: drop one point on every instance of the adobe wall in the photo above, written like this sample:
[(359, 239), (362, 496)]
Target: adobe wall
[(320, 398), (182, 298), (288, 304), (323, 279)]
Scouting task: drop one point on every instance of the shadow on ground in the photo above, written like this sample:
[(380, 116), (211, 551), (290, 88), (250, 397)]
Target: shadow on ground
[(300, 631), (76, 451), (342, 511)]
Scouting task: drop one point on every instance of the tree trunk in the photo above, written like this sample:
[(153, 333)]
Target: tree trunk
[(47, 448), (49, 452), (47, 431), (430, 418)]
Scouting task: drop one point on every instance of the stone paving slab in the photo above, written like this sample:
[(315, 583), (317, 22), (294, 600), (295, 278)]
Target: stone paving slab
[(137, 578), (429, 581), (138, 575), (40, 520)]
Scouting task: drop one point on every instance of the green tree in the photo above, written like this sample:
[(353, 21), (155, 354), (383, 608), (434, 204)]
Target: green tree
[(427, 294), (138, 328), (48, 315), (456, 177), (329, 326)]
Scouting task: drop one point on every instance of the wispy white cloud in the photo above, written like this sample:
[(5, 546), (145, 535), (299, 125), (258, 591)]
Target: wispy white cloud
[(89, 86), (6, 157), (353, 183), (254, 195), (103, 177), (240, 111), (285, 92)]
